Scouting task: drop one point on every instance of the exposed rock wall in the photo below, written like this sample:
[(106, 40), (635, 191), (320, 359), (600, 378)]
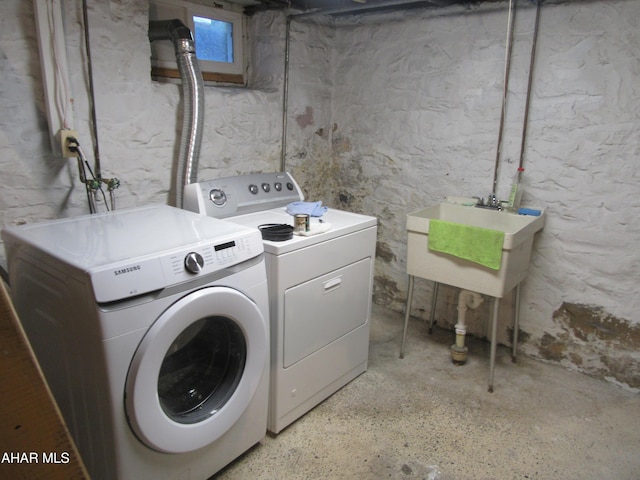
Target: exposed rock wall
[(416, 102), (387, 114), (138, 120)]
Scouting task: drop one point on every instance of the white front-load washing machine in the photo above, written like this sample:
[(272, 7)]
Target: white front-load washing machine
[(152, 328)]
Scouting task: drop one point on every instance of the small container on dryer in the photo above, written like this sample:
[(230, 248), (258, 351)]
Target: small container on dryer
[(301, 222)]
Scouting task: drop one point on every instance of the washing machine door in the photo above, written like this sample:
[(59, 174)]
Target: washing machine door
[(196, 370)]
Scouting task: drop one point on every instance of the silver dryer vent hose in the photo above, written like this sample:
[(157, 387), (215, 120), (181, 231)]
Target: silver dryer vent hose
[(193, 99)]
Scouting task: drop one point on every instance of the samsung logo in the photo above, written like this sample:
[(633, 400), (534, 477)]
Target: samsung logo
[(126, 270)]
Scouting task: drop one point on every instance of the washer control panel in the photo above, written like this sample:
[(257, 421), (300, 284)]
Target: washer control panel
[(142, 275), (211, 257)]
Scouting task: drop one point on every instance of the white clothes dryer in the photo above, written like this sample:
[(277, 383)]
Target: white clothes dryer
[(151, 327), (320, 288)]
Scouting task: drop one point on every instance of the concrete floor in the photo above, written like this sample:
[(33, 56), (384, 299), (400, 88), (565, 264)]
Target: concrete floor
[(423, 417)]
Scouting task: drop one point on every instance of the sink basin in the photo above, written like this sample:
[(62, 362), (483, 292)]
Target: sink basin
[(519, 231)]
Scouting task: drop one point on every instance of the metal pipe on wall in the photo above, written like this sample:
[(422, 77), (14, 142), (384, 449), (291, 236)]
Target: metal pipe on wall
[(505, 89), (534, 43), (97, 168), (285, 95)]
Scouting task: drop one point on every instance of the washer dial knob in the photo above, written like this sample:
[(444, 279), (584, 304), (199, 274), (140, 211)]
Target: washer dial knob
[(194, 262)]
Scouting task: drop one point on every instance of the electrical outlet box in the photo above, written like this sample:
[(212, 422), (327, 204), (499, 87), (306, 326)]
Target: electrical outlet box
[(63, 138)]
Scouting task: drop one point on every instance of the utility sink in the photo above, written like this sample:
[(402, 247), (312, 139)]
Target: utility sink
[(519, 231)]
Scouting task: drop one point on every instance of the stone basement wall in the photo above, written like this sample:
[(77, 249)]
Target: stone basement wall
[(414, 115), (138, 119), (387, 114)]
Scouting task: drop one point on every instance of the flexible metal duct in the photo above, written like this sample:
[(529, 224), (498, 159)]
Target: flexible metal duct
[(193, 99)]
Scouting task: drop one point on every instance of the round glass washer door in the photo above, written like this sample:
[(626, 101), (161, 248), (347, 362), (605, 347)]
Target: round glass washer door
[(196, 370)]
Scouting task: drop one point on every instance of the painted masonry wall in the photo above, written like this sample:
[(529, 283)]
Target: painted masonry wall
[(138, 119), (383, 119), (416, 100)]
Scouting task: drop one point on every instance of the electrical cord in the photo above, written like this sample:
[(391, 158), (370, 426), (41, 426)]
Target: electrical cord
[(92, 184)]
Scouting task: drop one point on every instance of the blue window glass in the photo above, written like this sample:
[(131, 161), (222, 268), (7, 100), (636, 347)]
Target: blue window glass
[(214, 39)]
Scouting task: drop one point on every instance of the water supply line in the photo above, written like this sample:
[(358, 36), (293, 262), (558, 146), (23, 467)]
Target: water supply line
[(525, 121), (97, 168), (505, 89), (466, 299), (285, 95), (193, 99)]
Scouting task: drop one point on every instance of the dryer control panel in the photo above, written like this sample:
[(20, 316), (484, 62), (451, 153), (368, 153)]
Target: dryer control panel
[(232, 196)]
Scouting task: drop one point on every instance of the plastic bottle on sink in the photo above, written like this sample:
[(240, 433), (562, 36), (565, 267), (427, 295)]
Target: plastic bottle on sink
[(516, 191)]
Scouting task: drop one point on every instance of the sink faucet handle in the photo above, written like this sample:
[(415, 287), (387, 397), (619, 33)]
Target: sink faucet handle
[(492, 199)]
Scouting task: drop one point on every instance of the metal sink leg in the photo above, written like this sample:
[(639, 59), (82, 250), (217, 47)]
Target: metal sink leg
[(434, 300), (494, 333), (516, 322), (407, 310)]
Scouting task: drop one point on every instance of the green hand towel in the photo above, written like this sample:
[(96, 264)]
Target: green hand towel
[(476, 244)]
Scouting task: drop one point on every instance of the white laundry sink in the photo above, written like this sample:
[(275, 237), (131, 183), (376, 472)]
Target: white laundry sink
[(519, 231)]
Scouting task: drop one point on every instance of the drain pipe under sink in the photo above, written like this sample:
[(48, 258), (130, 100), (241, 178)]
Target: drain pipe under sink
[(466, 299)]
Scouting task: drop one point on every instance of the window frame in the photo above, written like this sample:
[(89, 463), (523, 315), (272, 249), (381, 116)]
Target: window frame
[(163, 64)]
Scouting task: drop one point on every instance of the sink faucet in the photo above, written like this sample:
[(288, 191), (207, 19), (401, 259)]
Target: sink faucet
[(492, 202)]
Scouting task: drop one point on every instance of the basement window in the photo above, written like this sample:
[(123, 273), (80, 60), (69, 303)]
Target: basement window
[(218, 35)]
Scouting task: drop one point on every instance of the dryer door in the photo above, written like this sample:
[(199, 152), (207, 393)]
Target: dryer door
[(196, 370)]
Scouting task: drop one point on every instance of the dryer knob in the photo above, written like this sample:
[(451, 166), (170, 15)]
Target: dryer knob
[(218, 197), (194, 262)]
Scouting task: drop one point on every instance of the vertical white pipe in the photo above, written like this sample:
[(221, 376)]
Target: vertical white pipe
[(466, 300)]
